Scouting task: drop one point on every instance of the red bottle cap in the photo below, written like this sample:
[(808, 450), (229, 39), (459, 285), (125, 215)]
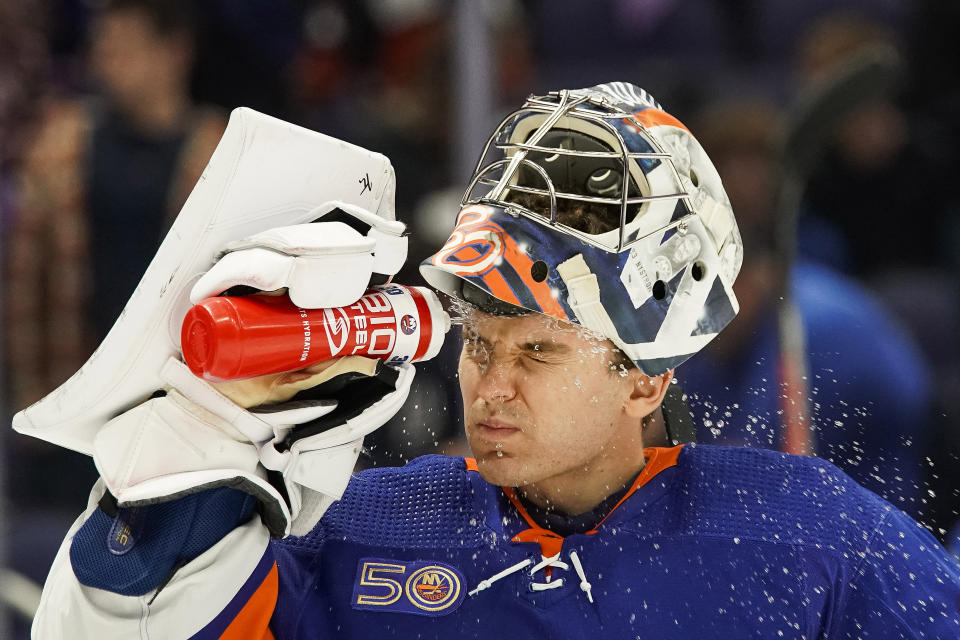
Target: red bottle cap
[(211, 334)]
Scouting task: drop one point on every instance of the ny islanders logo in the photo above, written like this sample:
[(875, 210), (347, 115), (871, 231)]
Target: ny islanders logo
[(432, 587), (408, 324), (421, 588)]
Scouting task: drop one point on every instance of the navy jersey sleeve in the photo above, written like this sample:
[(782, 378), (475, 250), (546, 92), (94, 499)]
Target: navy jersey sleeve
[(906, 586)]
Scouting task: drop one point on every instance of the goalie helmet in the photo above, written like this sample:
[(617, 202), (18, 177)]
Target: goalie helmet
[(596, 207)]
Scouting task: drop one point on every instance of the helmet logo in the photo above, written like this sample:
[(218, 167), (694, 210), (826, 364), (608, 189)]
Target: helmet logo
[(482, 250), (473, 247)]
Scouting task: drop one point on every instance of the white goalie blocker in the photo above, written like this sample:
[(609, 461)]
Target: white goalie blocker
[(265, 173)]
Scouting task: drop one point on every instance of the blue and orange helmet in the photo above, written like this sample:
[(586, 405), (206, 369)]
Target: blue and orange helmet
[(653, 272)]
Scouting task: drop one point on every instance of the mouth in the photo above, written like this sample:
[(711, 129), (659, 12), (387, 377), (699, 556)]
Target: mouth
[(496, 429)]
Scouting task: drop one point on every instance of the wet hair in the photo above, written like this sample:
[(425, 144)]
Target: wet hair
[(620, 359), (587, 217)]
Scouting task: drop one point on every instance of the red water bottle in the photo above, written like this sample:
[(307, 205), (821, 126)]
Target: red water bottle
[(228, 338)]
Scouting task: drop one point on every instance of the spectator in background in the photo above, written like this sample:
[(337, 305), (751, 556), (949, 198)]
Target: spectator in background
[(23, 66), (886, 186), (100, 183), (878, 165), (868, 383)]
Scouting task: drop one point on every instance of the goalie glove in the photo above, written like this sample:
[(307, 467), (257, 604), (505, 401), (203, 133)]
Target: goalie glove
[(316, 457), (295, 457), (296, 446)]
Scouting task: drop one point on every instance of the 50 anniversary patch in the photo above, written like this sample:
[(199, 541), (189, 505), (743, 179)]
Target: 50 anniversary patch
[(424, 588)]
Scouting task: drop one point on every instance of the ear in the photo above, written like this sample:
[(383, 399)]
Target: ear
[(647, 394)]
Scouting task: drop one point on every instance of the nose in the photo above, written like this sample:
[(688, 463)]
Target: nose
[(497, 383)]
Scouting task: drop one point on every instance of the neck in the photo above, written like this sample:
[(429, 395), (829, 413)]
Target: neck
[(582, 489)]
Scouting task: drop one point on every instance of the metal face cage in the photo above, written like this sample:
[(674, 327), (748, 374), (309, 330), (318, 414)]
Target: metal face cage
[(509, 156)]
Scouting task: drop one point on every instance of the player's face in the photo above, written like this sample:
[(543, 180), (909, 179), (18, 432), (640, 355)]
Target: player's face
[(542, 400)]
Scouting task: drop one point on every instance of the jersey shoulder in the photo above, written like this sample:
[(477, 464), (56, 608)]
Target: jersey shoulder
[(427, 503), (756, 494)]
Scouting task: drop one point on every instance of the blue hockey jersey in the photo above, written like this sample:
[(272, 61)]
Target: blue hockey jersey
[(708, 542)]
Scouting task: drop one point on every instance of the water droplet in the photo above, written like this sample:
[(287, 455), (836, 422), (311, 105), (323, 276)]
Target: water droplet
[(499, 453)]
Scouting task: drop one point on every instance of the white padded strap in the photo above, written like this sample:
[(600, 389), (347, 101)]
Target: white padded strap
[(164, 436), (391, 245), (311, 239), (584, 297), (163, 487), (718, 219), (326, 470), (388, 227), (326, 264)]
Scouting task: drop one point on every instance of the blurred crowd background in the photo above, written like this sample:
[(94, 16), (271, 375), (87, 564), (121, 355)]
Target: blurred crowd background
[(109, 111)]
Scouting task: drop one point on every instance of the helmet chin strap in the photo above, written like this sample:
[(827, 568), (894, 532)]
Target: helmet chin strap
[(677, 419)]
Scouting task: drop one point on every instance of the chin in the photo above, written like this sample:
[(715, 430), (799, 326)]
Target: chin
[(503, 471)]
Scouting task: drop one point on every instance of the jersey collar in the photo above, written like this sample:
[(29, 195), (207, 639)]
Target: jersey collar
[(657, 460)]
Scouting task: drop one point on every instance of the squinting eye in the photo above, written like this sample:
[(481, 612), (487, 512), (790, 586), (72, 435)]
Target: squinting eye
[(475, 349)]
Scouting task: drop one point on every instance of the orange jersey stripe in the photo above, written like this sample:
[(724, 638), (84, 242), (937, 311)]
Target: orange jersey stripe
[(657, 459), (512, 495), (254, 618), (550, 543), (471, 464)]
